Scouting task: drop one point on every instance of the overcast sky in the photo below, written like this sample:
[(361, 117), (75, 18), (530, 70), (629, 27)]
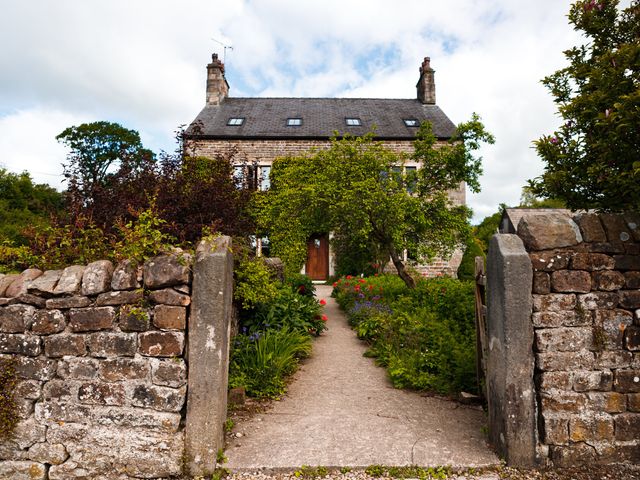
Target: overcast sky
[(142, 63)]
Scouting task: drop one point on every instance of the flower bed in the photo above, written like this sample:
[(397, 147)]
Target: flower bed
[(425, 337)]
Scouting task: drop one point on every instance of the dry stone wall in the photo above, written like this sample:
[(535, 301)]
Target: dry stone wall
[(100, 355), (580, 335)]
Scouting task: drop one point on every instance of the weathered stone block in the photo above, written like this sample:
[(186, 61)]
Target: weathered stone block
[(591, 428), (631, 279), (596, 300), (183, 288), (627, 262), (119, 369), (630, 299), (112, 344), (554, 302), (19, 285), (45, 284), (169, 373), (563, 339), (609, 328), (627, 381), (167, 270), (29, 432), (609, 402), (46, 322), (547, 231), (55, 412), (550, 261), (562, 402), (29, 389), (632, 338), (608, 280), (592, 262), (166, 317), (627, 426), (22, 470), (584, 381), (53, 454), (29, 299), (19, 344), (555, 430), (135, 418), (571, 281), (98, 393), (91, 319), (129, 297), (35, 368), (125, 276), (633, 402), (134, 319), (541, 283), (16, 318), (70, 280), (68, 302), (549, 319), (161, 344), (554, 380), (614, 359), (5, 281), (97, 277), (24, 408), (159, 398), (553, 361), (633, 223), (615, 227), (61, 391), (78, 368), (571, 456), (169, 296), (590, 227), (65, 344)]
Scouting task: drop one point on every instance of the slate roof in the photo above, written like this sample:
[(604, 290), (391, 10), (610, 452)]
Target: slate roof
[(266, 118)]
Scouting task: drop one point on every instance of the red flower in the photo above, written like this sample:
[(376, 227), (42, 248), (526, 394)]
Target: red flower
[(323, 302), (301, 289), (349, 277), (357, 288), (335, 284), (324, 318), (362, 280), (370, 287)]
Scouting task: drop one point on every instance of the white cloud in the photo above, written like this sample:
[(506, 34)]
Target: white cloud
[(143, 64)]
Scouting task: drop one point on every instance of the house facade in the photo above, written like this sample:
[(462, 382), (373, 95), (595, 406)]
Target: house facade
[(253, 132)]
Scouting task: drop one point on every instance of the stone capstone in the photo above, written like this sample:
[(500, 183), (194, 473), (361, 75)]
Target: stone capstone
[(19, 285), (590, 227), (96, 278), (125, 276), (548, 231), (45, 284), (167, 270), (70, 281)]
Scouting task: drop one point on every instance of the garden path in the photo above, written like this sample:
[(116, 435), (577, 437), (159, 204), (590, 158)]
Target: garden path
[(341, 410)]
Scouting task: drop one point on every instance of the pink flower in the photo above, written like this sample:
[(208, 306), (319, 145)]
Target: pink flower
[(324, 318), (323, 302)]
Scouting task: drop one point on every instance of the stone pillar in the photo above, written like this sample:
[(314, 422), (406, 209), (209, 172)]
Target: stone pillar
[(217, 86), (208, 355), (510, 363), (426, 84)]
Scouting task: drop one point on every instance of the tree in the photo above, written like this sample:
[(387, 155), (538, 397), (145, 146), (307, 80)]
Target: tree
[(592, 159), (103, 156), (528, 199), (356, 189), (24, 204)]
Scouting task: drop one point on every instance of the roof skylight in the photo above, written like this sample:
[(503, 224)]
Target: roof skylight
[(235, 121), (411, 122), (353, 121), (294, 122)]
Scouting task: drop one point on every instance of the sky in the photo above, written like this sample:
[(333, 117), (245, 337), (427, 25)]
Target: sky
[(142, 63)]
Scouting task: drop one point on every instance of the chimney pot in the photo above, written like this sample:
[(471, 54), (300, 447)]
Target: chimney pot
[(217, 86)]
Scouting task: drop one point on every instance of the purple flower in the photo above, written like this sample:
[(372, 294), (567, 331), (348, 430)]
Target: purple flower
[(554, 140)]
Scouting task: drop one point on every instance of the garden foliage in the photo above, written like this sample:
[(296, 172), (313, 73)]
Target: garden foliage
[(425, 337)]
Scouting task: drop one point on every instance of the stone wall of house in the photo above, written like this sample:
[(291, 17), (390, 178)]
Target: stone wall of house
[(100, 356), (585, 336)]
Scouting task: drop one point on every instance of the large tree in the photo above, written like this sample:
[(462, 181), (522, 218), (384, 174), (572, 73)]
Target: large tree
[(357, 189), (593, 158)]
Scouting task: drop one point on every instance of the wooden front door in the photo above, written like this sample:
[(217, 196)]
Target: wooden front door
[(317, 266)]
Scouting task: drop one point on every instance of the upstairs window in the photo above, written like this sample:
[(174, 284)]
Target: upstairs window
[(294, 122), (235, 121), (353, 122), (265, 182), (411, 122)]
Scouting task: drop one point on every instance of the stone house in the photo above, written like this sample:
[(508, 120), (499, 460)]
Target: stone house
[(253, 132)]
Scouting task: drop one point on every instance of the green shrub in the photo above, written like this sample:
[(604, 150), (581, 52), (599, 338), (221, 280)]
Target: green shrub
[(261, 362), (143, 238), (301, 284), (467, 268), (254, 282)]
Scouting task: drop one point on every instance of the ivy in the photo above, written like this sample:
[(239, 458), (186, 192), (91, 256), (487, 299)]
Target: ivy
[(8, 407)]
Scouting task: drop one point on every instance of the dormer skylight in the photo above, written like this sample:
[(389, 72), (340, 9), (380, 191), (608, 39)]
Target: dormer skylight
[(294, 122), (411, 122), (353, 122), (235, 121)]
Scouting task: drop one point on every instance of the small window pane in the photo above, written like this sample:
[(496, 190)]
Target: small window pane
[(353, 122), (294, 122), (235, 121), (265, 182), (411, 122), (411, 178)]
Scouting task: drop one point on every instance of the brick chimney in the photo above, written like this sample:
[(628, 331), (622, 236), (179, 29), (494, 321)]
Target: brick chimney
[(217, 86), (426, 85)]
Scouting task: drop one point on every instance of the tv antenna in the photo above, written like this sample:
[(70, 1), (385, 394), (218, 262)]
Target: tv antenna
[(224, 47)]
